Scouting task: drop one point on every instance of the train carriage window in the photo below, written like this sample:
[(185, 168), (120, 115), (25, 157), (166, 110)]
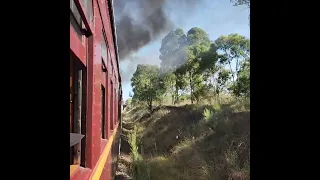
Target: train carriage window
[(104, 125), (117, 88), (111, 106), (88, 10), (110, 62), (104, 52), (75, 12), (75, 19), (77, 110), (75, 16), (117, 97)]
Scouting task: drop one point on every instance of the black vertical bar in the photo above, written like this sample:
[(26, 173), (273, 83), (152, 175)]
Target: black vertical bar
[(103, 99)]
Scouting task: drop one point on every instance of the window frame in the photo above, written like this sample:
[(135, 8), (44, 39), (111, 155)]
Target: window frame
[(112, 70), (82, 9), (104, 125), (111, 106), (78, 95), (105, 42), (78, 43), (110, 64)]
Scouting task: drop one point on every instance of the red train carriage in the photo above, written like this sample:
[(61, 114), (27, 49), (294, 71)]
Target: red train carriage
[(95, 91)]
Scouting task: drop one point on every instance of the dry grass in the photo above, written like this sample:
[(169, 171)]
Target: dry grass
[(186, 143)]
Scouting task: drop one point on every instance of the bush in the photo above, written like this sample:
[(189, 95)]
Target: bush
[(140, 170), (132, 138), (207, 114), (216, 107)]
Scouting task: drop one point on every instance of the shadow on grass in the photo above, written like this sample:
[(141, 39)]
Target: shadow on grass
[(166, 127), (177, 144)]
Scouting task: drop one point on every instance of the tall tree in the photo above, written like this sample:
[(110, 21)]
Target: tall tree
[(170, 51), (198, 44), (198, 36), (208, 65), (169, 82), (233, 49), (172, 56), (223, 77), (146, 84), (191, 69), (242, 86)]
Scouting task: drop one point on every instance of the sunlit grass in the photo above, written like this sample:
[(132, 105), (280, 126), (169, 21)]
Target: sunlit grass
[(193, 141)]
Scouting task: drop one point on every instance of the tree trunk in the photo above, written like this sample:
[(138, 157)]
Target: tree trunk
[(232, 73), (150, 105), (191, 89), (176, 94), (172, 98)]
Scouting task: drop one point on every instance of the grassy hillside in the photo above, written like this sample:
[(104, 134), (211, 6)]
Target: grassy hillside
[(186, 142)]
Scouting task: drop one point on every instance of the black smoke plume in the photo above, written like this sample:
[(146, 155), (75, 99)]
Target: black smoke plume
[(138, 22)]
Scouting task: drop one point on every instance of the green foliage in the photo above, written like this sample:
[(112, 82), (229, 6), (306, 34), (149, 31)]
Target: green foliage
[(207, 114), (171, 51), (194, 68), (173, 54), (216, 107), (192, 64), (241, 88), (224, 136), (209, 58), (198, 44), (138, 165), (169, 82), (198, 36), (129, 102), (223, 77), (132, 140), (233, 48), (147, 84), (210, 113)]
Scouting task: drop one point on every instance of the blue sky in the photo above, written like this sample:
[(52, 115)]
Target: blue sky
[(216, 17)]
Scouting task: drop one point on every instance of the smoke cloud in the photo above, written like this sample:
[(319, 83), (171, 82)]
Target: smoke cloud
[(130, 66), (141, 21)]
